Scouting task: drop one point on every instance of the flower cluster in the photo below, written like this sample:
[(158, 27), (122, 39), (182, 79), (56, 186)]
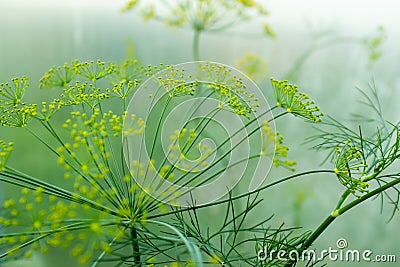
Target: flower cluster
[(12, 94), (124, 78), (350, 167), (201, 15), (13, 112), (230, 90), (5, 151), (102, 193), (101, 208), (295, 102), (174, 81), (87, 159), (59, 76), (279, 151), (41, 221)]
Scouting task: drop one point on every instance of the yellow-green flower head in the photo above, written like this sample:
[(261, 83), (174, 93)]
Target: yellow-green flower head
[(350, 167), (295, 102), (11, 94), (14, 112), (279, 152), (200, 15), (59, 76)]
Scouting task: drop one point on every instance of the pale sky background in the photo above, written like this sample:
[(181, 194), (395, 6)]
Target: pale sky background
[(357, 13), (23, 20)]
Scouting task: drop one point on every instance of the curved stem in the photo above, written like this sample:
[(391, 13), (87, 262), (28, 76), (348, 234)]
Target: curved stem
[(343, 198), (368, 196), (336, 213), (323, 226)]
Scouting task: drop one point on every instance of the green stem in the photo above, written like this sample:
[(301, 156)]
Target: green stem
[(135, 247), (347, 193), (310, 240), (336, 213), (343, 198), (368, 196)]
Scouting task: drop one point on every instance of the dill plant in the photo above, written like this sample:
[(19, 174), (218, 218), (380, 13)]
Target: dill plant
[(105, 215), (202, 16)]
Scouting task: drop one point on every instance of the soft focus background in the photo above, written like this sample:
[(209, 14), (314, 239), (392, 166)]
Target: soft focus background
[(328, 35)]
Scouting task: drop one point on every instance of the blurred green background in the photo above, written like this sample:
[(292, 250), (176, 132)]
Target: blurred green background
[(328, 35)]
